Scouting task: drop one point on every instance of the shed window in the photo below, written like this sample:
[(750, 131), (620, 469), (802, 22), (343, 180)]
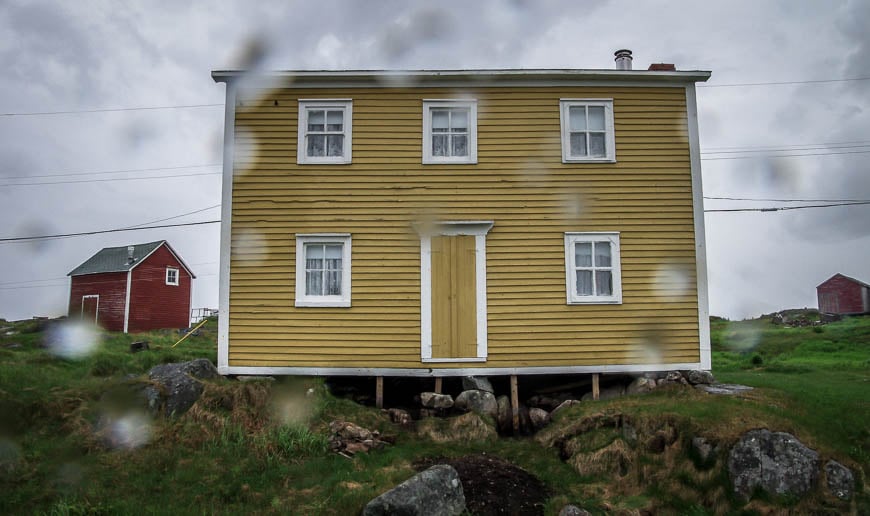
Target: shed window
[(171, 276), (449, 131), (324, 131), (323, 270), (587, 130), (592, 265)]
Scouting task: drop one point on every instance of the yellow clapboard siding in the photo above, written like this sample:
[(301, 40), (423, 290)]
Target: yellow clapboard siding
[(519, 183)]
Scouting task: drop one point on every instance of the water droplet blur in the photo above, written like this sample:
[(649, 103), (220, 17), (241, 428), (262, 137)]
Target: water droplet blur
[(648, 349), (290, 404), (10, 454), (69, 476), (741, 336), (246, 151), (574, 205), (673, 281), (73, 339), (250, 247), (129, 430), (36, 227)]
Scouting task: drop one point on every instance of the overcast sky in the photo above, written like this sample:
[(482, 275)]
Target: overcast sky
[(102, 55)]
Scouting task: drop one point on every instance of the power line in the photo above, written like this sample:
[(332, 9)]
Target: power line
[(173, 217), (785, 155), (171, 176), (784, 200), (783, 149), (123, 171), (787, 208), (781, 82), (109, 110), (116, 230), (825, 144)]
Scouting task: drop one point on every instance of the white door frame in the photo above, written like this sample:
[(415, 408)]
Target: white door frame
[(96, 311), (478, 229)]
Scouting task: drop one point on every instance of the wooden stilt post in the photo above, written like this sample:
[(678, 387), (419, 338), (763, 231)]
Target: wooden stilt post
[(515, 404), (438, 384), (595, 390), (379, 392)]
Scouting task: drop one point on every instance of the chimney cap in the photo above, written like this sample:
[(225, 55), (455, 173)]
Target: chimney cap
[(623, 59)]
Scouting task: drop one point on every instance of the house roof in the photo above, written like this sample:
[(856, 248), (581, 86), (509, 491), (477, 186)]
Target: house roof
[(408, 78), (853, 280), (114, 259)]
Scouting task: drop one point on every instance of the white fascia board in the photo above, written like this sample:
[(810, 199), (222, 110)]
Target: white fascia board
[(458, 371), (226, 222), (422, 78), (700, 233)]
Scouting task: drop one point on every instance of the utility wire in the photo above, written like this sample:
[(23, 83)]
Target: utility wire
[(781, 82), (110, 110), (116, 230), (785, 155), (784, 200), (171, 176), (123, 171), (173, 217), (824, 144), (785, 149), (787, 208)]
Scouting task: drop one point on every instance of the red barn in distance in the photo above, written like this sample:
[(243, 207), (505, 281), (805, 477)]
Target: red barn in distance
[(133, 288), (843, 295)]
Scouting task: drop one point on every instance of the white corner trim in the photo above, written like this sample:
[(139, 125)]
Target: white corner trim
[(127, 301), (226, 223), (700, 232), (478, 229)]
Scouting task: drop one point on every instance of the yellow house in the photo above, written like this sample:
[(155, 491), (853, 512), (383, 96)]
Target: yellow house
[(463, 222)]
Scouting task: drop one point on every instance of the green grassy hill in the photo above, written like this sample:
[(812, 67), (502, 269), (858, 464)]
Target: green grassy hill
[(261, 447)]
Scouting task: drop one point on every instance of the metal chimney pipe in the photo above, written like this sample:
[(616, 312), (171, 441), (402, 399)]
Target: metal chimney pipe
[(130, 250), (623, 59)]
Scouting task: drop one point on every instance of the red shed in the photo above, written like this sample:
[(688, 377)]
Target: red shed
[(133, 288), (841, 294)]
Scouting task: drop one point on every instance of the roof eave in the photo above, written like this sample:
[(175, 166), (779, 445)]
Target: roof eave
[(390, 77)]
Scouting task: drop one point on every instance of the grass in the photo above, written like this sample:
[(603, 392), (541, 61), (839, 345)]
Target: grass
[(261, 447)]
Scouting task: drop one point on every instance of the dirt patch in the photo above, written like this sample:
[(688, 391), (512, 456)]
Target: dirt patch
[(494, 486)]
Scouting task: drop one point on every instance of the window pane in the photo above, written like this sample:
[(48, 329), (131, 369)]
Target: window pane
[(460, 145), (439, 145), (597, 147), (316, 145), (596, 118), (334, 120), (335, 145), (333, 252), (604, 283), (316, 120), (313, 283), (459, 121), (584, 283), (577, 118), (333, 283), (583, 254), (440, 120), (578, 144), (602, 254)]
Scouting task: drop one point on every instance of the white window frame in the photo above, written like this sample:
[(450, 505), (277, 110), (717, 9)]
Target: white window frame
[(572, 238), (344, 105), (168, 280), (609, 139), (428, 106), (341, 300)]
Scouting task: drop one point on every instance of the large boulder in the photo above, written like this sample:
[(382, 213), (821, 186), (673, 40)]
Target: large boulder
[(434, 400), (477, 383), (775, 462), (482, 402), (174, 388), (699, 377), (504, 414), (436, 491), (538, 417), (840, 481)]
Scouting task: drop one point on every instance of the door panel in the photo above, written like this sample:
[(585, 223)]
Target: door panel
[(90, 308), (454, 304)]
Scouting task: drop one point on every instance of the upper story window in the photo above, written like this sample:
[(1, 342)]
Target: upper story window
[(323, 270), (171, 276), (325, 130), (449, 131), (593, 273), (587, 130)]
